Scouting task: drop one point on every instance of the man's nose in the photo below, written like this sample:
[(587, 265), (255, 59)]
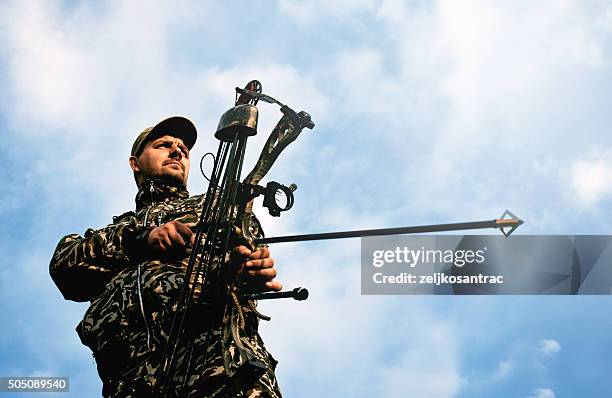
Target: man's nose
[(176, 151)]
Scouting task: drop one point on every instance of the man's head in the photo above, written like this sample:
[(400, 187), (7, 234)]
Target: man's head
[(162, 151)]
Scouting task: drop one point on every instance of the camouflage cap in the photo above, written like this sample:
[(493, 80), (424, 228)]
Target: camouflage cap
[(176, 126)]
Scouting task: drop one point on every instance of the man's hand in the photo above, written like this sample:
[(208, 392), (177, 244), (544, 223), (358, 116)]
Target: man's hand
[(171, 238), (258, 267)]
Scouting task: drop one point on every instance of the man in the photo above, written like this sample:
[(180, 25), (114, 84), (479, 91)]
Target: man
[(132, 271)]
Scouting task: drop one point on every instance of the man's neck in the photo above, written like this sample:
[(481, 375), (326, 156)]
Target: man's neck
[(154, 190)]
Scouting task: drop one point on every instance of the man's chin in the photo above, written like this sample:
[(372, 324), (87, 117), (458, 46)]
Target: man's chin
[(172, 179)]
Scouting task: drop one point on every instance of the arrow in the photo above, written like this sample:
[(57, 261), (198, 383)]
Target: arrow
[(507, 224)]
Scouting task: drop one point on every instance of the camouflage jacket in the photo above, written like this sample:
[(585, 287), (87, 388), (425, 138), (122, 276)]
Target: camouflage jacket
[(133, 300)]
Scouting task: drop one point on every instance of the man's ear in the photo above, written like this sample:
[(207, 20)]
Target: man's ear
[(134, 164)]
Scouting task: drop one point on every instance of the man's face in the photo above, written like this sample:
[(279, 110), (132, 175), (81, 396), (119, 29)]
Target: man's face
[(166, 157)]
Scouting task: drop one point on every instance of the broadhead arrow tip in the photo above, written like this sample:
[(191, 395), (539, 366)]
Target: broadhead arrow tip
[(513, 220)]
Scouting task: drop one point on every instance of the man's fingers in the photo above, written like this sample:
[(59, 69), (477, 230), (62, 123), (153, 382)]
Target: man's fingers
[(172, 237), (262, 263), (266, 273), (262, 252), (166, 242), (183, 230), (274, 285), (240, 253), (175, 235), (245, 252), (180, 239), (237, 257)]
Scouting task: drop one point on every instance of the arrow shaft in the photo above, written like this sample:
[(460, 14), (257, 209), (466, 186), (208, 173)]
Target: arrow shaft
[(389, 231)]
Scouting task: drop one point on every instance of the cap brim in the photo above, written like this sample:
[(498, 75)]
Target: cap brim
[(176, 126)]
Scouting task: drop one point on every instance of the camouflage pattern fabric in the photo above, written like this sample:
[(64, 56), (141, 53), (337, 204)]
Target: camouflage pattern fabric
[(133, 301)]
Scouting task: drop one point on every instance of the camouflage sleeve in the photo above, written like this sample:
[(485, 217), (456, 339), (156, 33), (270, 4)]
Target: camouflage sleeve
[(82, 266)]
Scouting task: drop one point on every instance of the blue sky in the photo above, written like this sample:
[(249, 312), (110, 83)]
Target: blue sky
[(425, 111)]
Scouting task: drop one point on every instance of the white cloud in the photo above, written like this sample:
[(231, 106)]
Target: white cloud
[(67, 69), (500, 71), (591, 179), (549, 347), (542, 393)]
